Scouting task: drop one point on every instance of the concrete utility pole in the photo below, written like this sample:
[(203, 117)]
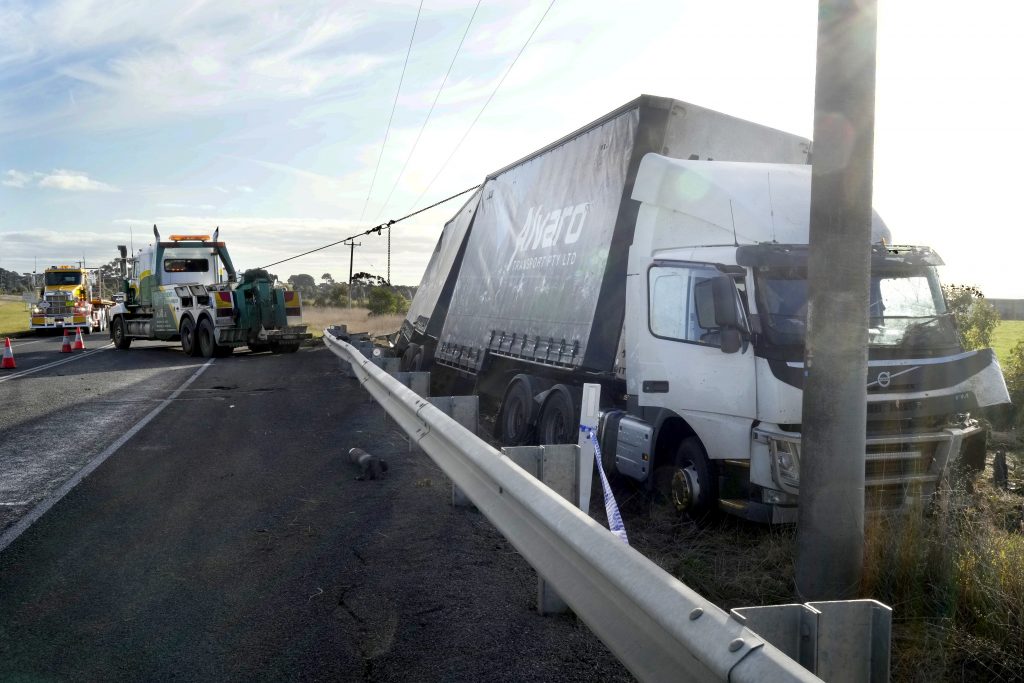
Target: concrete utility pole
[(830, 532), (351, 257)]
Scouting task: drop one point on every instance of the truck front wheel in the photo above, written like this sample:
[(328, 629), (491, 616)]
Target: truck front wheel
[(686, 484), (119, 334)]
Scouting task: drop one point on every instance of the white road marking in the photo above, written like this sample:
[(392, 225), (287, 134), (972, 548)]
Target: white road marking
[(41, 509), (18, 342), (54, 364)]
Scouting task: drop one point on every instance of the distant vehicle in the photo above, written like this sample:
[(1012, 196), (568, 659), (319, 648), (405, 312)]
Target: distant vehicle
[(661, 252), (67, 300), (175, 292)]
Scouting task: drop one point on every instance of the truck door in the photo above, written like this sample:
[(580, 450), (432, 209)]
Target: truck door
[(681, 363)]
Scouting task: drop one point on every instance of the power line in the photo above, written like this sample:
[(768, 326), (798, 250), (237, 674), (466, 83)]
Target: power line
[(433, 104), (376, 229), (493, 93), (394, 105)]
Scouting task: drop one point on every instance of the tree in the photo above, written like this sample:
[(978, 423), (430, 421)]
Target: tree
[(975, 318), (305, 285), (326, 277), (385, 300)]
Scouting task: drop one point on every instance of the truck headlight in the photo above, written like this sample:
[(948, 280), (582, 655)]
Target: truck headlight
[(786, 463)]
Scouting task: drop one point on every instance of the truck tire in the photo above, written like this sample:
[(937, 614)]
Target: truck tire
[(119, 334), (188, 338), (518, 415), (206, 339), (686, 484), (559, 422), (409, 357)]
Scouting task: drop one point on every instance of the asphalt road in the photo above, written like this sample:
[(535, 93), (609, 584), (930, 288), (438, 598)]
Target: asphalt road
[(227, 538)]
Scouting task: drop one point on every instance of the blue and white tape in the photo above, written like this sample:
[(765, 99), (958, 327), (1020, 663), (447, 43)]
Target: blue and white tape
[(611, 509)]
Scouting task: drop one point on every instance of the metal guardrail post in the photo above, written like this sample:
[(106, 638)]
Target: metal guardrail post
[(466, 411), (843, 641), (388, 364), (558, 467), (660, 629)]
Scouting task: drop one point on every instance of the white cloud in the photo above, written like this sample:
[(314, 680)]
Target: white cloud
[(16, 179), (244, 188), (74, 181)]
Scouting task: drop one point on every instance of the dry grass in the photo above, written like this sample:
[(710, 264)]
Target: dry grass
[(357, 320), (954, 576), (955, 580)]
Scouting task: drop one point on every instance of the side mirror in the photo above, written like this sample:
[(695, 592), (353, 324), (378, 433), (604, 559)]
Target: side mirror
[(717, 308)]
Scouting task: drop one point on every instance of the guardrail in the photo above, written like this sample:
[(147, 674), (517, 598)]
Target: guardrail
[(660, 629)]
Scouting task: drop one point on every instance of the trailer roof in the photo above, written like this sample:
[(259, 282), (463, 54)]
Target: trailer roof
[(654, 102)]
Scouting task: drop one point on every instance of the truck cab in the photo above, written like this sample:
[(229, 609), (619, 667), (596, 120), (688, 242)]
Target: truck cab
[(715, 320), (66, 300), (186, 289)]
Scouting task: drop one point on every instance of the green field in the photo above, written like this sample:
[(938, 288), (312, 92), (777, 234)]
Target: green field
[(1005, 337), (13, 317)]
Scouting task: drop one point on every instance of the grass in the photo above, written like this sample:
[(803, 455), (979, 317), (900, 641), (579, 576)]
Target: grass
[(1006, 335), (357, 320), (13, 316)]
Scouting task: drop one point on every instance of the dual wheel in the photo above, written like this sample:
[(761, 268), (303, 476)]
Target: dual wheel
[(523, 420), (200, 340)]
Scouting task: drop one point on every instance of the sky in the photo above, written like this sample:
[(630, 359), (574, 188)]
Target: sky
[(270, 119)]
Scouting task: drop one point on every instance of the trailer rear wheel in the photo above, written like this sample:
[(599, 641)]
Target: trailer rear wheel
[(119, 335), (188, 338), (205, 339), (409, 358), (517, 417), (558, 420), (686, 484)]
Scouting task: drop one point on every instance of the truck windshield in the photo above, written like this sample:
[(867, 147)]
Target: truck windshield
[(906, 308), (63, 278)]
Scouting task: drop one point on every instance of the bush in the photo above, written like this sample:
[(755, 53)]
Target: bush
[(384, 300), (1014, 373), (975, 318)]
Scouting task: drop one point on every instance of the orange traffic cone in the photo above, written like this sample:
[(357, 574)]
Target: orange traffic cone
[(66, 346), (79, 342), (8, 361)]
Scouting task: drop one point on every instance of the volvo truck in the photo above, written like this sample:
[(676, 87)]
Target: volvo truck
[(661, 252)]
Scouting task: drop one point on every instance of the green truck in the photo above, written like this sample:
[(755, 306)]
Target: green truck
[(187, 290)]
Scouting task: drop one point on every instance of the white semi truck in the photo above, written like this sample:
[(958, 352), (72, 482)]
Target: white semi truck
[(661, 252)]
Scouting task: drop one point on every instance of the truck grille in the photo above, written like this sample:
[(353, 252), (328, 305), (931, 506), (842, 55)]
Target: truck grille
[(896, 473)]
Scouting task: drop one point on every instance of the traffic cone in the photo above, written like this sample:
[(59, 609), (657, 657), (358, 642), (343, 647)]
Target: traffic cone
[(79, 342), (66, 346), (8, 361)]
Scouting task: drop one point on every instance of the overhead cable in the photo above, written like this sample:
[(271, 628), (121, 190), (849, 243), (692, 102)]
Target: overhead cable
[(493, 93), (376, 229), (394, 105), (433, 104)]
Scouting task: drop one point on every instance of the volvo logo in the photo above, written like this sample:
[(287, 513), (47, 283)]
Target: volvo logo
[(883, 379)]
